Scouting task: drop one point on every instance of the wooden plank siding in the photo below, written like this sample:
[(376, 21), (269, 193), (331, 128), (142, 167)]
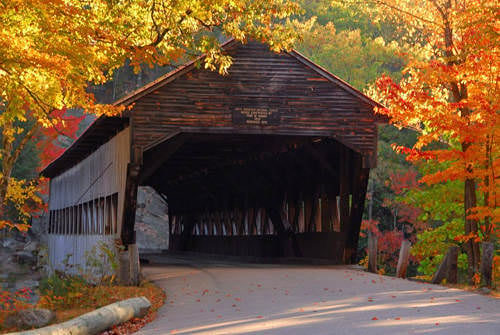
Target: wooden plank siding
[(278, 152), (307, 102), (86, 202)]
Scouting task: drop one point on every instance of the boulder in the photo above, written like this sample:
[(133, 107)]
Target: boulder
[(30, 318), (31, 246), (151, 221), (12, 244), (24, 257)]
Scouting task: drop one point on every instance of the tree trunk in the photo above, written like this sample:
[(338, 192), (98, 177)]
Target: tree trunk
[(448, 267), (404, 254), (471, 246), (487, 263)]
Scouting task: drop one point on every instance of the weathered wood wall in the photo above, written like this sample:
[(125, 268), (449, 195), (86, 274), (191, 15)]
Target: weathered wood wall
[(278, 139), (292, 97), (86, 202)]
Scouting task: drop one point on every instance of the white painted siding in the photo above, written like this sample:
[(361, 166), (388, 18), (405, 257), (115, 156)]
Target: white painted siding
[(101, 174)]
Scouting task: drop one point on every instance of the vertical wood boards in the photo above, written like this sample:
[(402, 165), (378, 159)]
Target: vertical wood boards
[(100, 174), (74, 200), (259, 81)]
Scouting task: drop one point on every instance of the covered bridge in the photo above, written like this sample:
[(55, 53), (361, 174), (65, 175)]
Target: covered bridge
[(270, 160)]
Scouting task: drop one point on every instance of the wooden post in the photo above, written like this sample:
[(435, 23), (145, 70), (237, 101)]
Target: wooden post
[(372, 253), (134, 266), (358, 205), (448, 268), (284, 232), (487, 263), (404, 254)]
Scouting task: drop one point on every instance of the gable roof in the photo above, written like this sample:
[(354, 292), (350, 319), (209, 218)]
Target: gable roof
[(103, 128), (172, 75)]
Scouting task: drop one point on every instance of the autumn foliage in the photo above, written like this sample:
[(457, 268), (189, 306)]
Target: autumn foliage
[(449, 94), (52, 51)]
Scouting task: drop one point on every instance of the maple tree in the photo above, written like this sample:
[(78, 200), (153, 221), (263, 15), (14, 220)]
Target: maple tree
[(52, 50), (435, 213), (450, 95)]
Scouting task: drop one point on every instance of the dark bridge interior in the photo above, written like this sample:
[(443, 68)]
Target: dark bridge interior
[(259, 195)]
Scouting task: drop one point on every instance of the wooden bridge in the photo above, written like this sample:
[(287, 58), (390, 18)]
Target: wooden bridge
[(270, 160)]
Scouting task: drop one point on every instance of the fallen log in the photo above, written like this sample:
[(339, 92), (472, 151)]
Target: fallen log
[(96, 321)]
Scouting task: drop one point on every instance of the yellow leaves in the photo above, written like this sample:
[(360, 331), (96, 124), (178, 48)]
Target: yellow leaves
[(53, 49), (25, 197)]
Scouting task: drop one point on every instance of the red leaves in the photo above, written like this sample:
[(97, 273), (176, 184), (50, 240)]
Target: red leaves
[(374, 318), (413, 154), (48, 142)]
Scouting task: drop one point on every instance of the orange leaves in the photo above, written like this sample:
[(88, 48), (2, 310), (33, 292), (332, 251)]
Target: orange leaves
[(54, 51), (467, 237), (450, 96), (413, 154)]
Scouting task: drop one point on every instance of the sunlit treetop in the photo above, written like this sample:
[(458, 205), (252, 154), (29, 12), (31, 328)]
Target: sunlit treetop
[(52, 50)]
